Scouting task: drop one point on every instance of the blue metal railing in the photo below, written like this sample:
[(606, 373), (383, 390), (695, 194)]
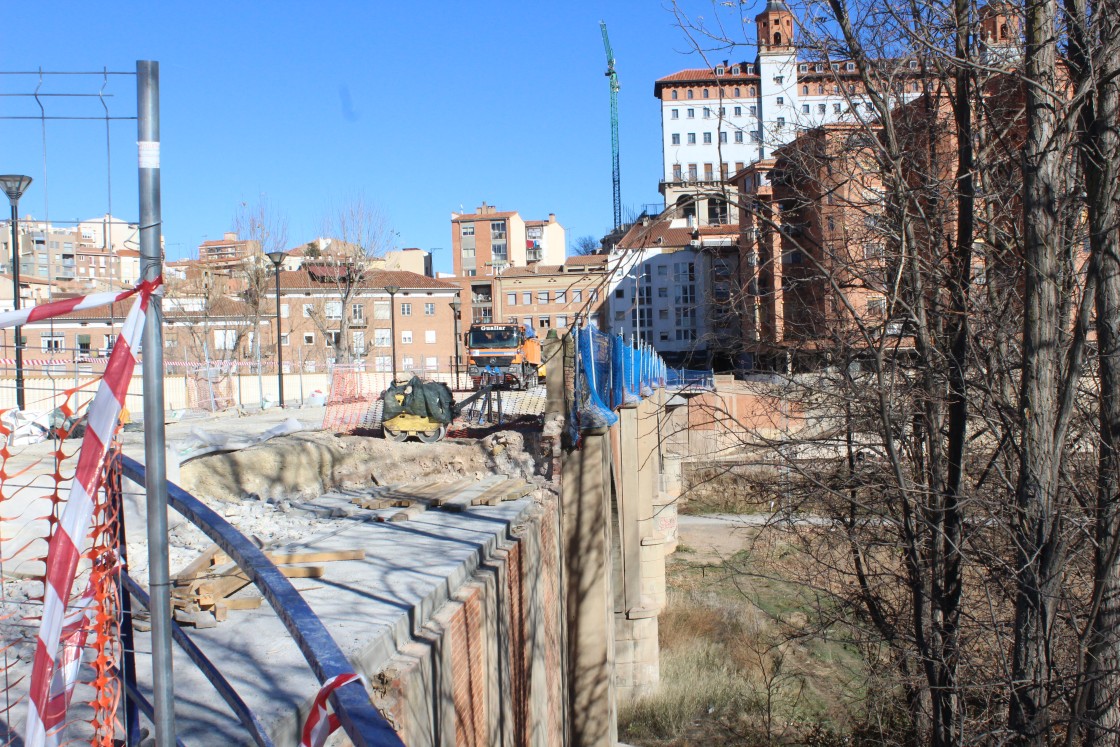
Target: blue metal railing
[(682, 378), (363, 723)]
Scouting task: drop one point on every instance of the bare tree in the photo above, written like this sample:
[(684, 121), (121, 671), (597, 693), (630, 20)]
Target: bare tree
[(585, 245), (358, 234), (265, 229)]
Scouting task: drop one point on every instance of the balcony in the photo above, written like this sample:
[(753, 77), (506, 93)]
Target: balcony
[(534, 255)]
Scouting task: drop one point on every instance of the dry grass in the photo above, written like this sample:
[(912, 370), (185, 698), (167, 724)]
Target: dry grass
[(737, 667)]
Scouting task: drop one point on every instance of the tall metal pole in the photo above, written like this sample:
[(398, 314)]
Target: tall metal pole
[(393, 336), (155, 454), (279, 346), (15, 304)]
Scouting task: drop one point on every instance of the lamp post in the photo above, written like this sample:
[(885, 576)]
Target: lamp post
[(14, 186), (277, 261), (456, 306), (392, 290)]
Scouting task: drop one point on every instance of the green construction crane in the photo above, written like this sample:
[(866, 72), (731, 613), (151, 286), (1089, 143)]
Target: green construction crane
[(614, 127)]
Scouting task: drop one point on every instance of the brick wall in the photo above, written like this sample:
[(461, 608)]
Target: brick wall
[(486, 668)]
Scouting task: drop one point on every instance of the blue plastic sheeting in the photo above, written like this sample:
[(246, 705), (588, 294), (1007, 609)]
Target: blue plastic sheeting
[(594, 381), (624, 374)]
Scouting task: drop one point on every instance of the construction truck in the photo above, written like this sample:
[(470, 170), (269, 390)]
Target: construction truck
[(503, 354)]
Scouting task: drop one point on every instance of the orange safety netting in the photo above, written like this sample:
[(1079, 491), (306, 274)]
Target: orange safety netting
[(35, 476)]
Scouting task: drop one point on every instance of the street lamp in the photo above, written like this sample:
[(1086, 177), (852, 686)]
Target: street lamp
[(277, 258), (392, 290), (456, 306), (14, 186)]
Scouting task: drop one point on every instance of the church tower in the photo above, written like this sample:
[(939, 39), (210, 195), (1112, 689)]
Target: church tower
[(777, 72), (1000, 32)]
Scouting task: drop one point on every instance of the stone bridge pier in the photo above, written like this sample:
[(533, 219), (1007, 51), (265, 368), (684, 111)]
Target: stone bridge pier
[(617, 524)]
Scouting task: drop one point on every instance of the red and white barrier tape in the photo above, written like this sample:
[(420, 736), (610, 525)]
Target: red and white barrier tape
[(74, 525), (20, 317), (320, 724)]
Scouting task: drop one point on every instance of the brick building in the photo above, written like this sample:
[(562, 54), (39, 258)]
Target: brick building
[(553, 296), (486, 243)]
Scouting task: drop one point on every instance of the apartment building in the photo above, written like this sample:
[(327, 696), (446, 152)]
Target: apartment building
[(97, 254), (545, 297), (671, 284), (487, 242), (716, 121), (312, 311)]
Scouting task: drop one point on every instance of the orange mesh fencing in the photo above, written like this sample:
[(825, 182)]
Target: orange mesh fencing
[(34, 482)]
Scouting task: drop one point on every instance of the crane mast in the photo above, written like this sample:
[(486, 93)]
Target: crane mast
[(613, 76)]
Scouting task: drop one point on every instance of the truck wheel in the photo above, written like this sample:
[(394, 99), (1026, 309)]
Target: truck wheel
[(430, 437)]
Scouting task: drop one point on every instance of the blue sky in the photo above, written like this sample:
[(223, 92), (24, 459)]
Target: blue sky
[(420, 107)]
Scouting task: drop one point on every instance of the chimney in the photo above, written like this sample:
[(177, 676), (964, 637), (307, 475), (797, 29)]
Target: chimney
[(230, 236), (552, 217)]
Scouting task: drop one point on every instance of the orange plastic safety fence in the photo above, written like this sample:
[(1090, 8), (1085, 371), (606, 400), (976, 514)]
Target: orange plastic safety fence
[(35, 477)]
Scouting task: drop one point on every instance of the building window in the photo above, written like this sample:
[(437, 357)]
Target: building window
[(593, 295), (561, 297), (690, 113), (544, 322), (722, 112), (406, 337), (719, 71), (382, 363), (429, 309), (876, 307), (527, 298), (707, 138), (431, 363), (542, 296), (820, 108), (676, 138), (754, 111), (804, 108), (284, 339), (429, 337), (688, 94), (332, 340), (755, 137), (466, 229), (333, 310), (673, 95), (677, 171), (283, 311), (723, 137), (308, 338), (750, 91), (781, 101), (836, 108), (707, 113), (511, 299), (850, 66), (406, 309), (619, 293), (561, 320), (675, 114), (692, 138), (307, 310), (705, 93), (577, 295), (781, 122), (381, 338), (737, 111), (407, 363), (51, 342), (779, 79), (357, 312)]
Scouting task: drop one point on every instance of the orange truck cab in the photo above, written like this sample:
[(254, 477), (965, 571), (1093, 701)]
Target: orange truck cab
[(506, 354)]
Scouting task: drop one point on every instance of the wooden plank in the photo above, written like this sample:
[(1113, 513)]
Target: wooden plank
[(465, 498), (452, 489), (409, 513), (200, 565), (494, 495)]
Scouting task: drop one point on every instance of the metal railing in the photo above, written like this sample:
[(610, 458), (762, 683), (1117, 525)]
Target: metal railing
[(363, 723)]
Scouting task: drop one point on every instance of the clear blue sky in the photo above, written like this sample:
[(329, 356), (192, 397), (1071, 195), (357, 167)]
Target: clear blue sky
[(420, 107)]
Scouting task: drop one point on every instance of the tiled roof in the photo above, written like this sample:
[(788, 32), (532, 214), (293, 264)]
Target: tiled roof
[(373, 280), (482, 216), (661, 234), (587, 259)]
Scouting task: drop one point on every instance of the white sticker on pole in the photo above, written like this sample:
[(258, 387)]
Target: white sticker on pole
[(149, 154)]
